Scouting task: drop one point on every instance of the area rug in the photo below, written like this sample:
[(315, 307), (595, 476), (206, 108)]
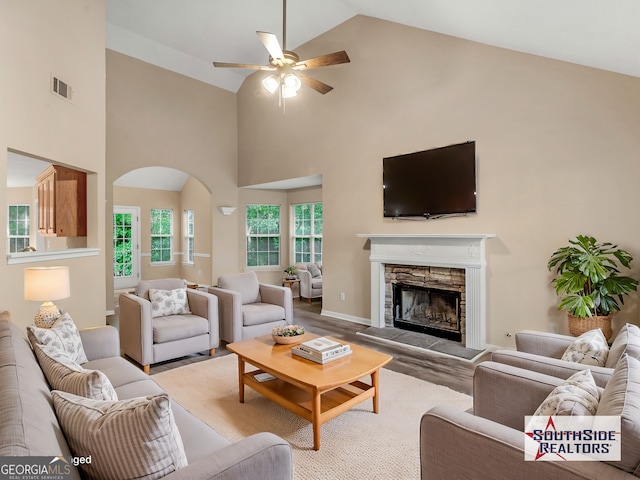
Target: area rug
[(357, 444)]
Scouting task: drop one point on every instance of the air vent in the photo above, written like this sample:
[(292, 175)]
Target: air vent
[(61, 88)]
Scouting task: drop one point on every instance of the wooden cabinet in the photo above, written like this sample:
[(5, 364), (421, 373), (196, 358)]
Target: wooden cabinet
[(62, 202)]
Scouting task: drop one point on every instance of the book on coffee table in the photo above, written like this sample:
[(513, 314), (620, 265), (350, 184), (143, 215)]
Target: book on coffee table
[(322, 360), (323, 348)]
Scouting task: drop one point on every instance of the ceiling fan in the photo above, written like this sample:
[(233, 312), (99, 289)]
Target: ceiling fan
[(286, 65)]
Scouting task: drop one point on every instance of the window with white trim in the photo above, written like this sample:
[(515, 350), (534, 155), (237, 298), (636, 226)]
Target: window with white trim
[(188, 236), (307, 232), (17, 227), (263, 235), (161, 235)]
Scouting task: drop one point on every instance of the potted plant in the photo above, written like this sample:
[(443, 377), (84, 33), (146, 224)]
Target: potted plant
[(290, 271), (589, 282)]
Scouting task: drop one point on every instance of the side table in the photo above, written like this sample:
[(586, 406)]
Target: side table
[(290, 282)]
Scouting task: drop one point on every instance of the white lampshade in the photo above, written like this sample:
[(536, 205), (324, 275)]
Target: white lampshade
[(43, 284), (271, 83), (292, 81)]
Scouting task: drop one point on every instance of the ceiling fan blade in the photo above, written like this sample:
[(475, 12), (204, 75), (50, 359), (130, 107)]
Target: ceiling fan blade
[(272, 45), (335, 58), (317, 85), (242, 65)]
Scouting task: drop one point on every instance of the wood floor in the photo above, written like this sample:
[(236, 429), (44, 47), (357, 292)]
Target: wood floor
[(437, 368)]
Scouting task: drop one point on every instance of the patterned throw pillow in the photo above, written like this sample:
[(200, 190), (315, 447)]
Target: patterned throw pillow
[(590, 348), (314, 270), (133, 438), (63, 335), (578, 395), (168, 302), (64, 374)]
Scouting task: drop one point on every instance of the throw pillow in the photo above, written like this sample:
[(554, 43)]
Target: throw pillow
[(314, 270), (63, 335), (621, 397), (627, 341), (168, 302), (578, 395), (133, 438), (590, 348), (64, 374)]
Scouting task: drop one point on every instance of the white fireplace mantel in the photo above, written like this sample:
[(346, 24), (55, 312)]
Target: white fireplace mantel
[(465, 251)]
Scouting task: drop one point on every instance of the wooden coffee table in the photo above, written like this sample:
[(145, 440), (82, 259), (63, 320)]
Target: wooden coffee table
[(313, 391)]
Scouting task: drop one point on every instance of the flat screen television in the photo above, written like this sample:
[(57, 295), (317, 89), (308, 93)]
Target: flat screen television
[(432, 183)]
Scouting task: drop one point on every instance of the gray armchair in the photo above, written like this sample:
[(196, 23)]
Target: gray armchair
[(489, 443), (542, 352), (310, 280), (248, 308), (148, 339)]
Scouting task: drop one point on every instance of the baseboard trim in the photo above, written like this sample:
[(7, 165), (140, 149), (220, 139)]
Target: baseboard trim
[(344, 316)]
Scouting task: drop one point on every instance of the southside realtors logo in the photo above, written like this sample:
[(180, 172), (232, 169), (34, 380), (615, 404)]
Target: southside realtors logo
[(577, 438), (36, 468)]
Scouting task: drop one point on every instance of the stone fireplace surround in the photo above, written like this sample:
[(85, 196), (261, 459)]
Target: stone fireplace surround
[(464, 251)]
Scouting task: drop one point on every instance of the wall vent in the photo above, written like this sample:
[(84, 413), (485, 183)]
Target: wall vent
[(61, 88)]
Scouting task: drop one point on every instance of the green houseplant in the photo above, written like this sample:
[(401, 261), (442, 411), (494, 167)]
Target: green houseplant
[(589, 282)]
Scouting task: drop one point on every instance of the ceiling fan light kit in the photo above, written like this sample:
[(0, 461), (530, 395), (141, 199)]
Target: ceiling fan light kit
[(286, 65)]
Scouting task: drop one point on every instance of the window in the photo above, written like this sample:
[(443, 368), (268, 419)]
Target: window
[(307, 232), (18, 228), (263, 235), (161, 231), (188, 236), (122, 245)]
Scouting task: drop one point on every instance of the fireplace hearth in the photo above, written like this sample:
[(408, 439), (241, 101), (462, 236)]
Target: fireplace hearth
[(427, 310)]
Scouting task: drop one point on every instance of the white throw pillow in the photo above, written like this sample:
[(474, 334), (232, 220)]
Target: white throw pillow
[(168, 302), (133, 438), (64, 374), (590, 348), (627, 341), (578, 395), (63, 335)]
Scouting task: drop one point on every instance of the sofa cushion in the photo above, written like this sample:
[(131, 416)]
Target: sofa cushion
[(62, 335), (590, 348), (621, 397), (64, 374), (118, 370), (577, 395), (246, 284), (627, 341), (259, 313), (177, 327), (134, 438), (314, 270), (168, 302)]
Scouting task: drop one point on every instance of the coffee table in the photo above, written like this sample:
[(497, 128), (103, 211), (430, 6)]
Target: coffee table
[(311, 390)]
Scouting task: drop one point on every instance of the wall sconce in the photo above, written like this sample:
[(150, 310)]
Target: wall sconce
[(44, 284), (227, 210)]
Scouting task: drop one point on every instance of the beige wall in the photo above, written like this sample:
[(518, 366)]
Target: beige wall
[(557, 155), (66, 38), (159, 118), (194, 196)]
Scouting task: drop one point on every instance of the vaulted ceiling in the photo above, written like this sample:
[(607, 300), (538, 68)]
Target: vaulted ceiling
[(186, 36)]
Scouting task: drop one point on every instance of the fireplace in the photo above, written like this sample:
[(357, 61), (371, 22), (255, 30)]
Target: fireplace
[(427, 310), (460, 255)]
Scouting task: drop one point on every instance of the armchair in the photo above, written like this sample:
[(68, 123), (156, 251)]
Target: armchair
[(310, 275), (542, 352), (248, 308), (489, 443), (148, 339)]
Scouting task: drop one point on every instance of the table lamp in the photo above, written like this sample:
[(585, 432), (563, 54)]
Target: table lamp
[(45, 284)]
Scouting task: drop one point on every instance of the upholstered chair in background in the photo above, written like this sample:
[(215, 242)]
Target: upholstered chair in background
[(248, 308), (169, 325), (310, 275)]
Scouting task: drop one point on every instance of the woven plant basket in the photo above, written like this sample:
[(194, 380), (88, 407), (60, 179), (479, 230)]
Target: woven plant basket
[(288, 340), (579, 325)]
